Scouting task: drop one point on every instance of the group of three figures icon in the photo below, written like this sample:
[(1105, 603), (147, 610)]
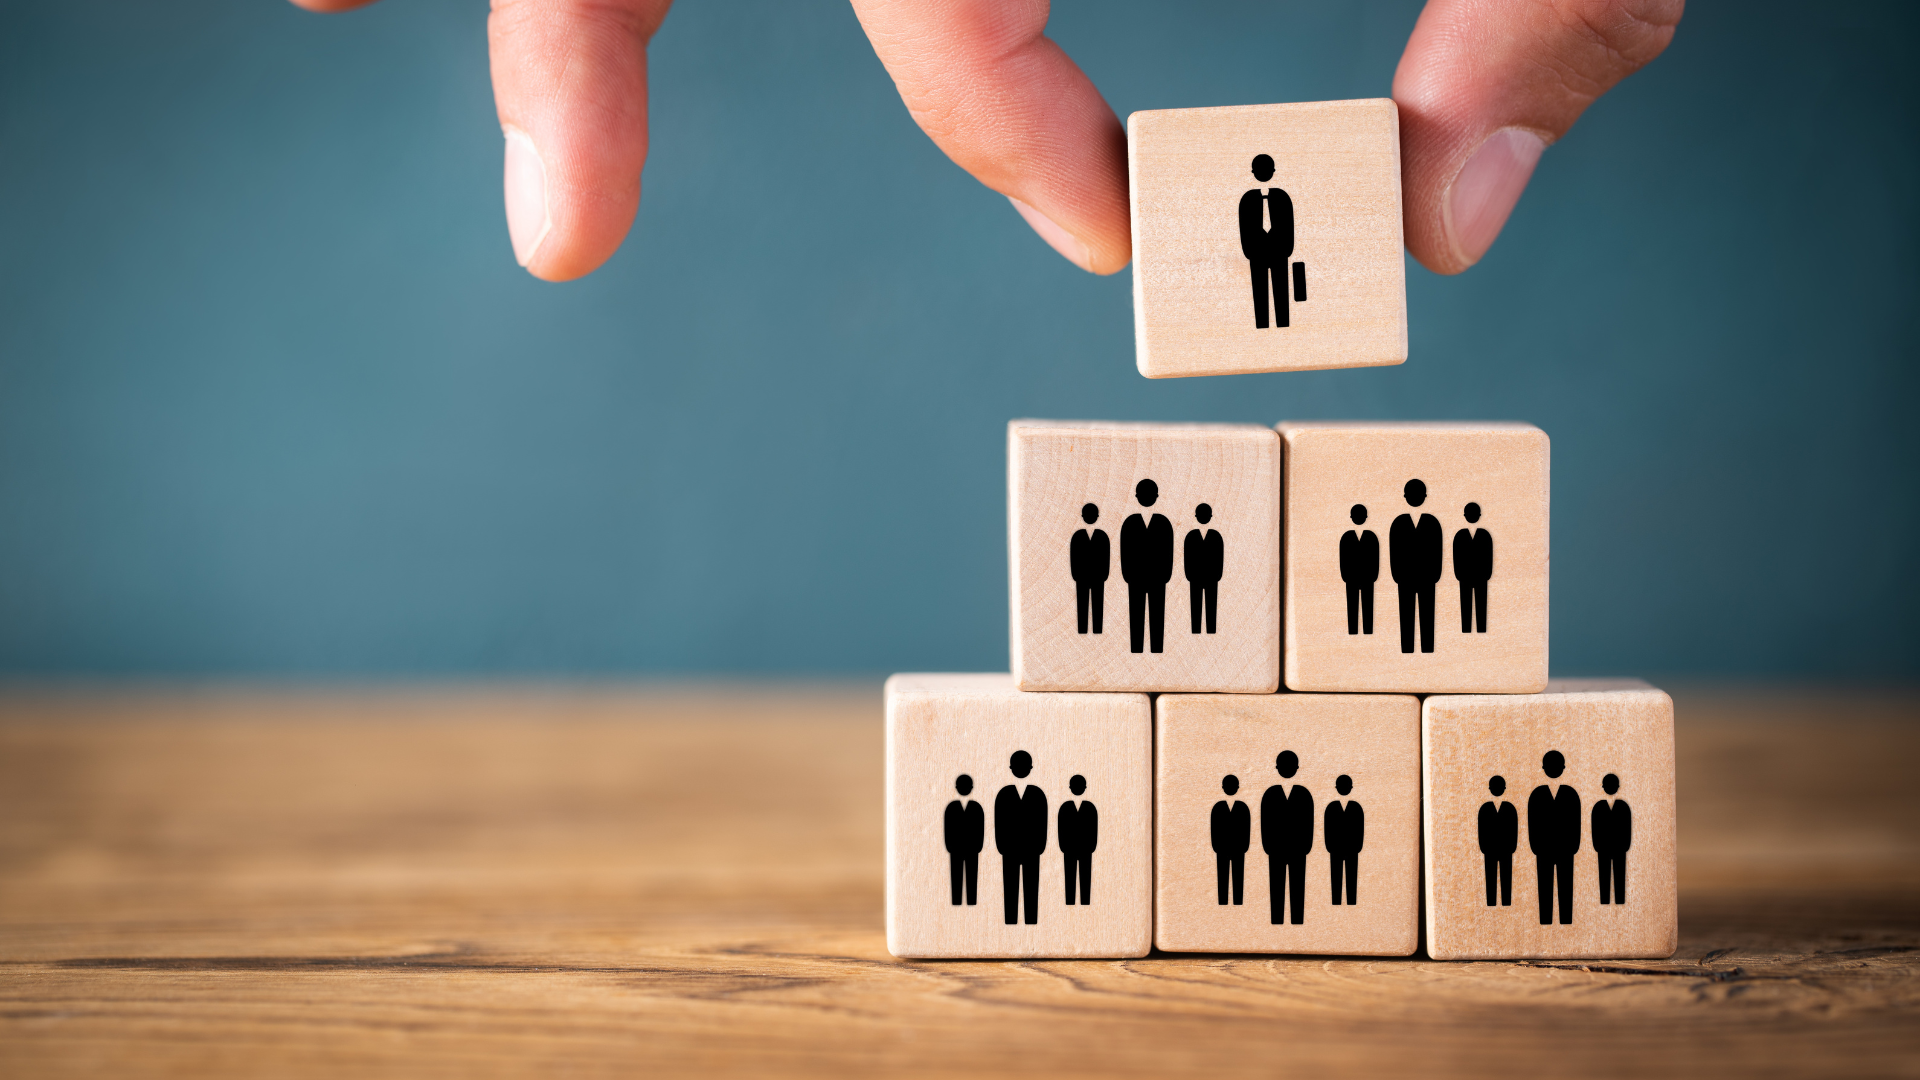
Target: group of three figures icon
[(1553, 835), (1020, 836), (1286, 835), (1146, 563), (1414, 554)]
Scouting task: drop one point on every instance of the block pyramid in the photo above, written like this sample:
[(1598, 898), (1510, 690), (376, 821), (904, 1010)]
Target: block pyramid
[(1345, 741)]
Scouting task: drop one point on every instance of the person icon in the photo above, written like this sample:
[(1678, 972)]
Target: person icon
[(1472, 566), (1146, 561), (1343, 833), (1414, 552), (1286, 835), (1553, 834), (1232, 835), (1359, 568), (1266, 239), (1499, 836), (1205, 556), (1090, 557), (1079, 835), (1612, 836), (966, 835), (1020, 835)]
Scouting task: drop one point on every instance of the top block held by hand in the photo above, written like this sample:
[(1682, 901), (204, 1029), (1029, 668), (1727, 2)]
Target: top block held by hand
[(1300, 202)]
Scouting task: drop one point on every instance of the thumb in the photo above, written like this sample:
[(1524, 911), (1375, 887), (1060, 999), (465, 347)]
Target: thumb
[(1485, 86), (570, 82)]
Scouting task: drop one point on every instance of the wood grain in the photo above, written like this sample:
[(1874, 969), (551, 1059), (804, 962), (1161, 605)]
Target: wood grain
[(1600, 727), (674, 882), (940, 727), (1373, 739), (1056, 468), (1500, 468), (1339, 163)]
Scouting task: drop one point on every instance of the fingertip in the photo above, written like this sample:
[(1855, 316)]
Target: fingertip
[(330, 6), (529, 215), (1113, 256), (582, 237), (559, 231), (1484, 192), (1056, 237)]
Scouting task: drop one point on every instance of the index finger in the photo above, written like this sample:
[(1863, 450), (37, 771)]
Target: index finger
[(1007, 105)]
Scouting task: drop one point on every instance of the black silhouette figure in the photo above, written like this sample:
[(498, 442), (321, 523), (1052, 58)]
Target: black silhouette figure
[(1079, 835), (1232, 835), (966, 835), (1020, 835), (1612, 836), (1268, 245), (1553, 832), (1343, 833), (1146, 561), (1205, 556), (1472, 566), (1359, 568), (1499, 836), (1414, 552), (1286, 835), (1091, 559)]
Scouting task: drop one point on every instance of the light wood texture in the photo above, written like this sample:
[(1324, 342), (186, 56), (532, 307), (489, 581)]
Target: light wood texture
[(1373, 739), (690, 882), (1621, 727), (941, 727), (1500, 468), (1055, 468), (1193, 302)]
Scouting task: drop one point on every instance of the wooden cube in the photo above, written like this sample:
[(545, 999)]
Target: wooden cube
[(1549, 823), (1267, 238), (1018, 825), (1287, 823), (1416, 557), (1144, 556)]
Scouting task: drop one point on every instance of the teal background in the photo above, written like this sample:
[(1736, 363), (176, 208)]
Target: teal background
[(275, 401)]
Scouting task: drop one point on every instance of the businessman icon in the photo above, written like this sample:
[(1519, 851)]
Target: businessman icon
[(1266, 239)]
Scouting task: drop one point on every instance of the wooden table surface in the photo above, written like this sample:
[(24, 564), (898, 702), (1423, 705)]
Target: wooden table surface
[(610, 882)]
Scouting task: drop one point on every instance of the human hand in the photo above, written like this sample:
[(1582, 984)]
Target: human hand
[(570, 85), (1483, 88)]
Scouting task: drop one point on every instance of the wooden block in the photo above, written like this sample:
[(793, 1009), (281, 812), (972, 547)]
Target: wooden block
[(1222, 784), (997, 786), (1267, 238), (1165, 537), (1442, 588), (1555, 779)]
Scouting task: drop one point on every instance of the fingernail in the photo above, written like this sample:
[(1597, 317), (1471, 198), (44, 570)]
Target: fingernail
[(527, 220), (1486, 189), (1060, 239)]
